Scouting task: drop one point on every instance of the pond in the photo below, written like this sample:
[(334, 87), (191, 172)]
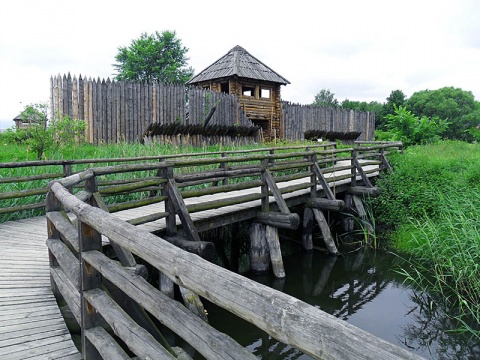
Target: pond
[(363, 289)]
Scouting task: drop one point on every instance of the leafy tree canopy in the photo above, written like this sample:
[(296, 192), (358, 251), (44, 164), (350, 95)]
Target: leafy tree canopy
[(453, 104), (156, 57), (396, 99), (325, 98)]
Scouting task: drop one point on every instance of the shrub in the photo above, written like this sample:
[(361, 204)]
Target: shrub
[(410, 129)]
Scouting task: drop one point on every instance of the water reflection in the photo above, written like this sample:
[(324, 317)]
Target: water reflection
[(362, 289)]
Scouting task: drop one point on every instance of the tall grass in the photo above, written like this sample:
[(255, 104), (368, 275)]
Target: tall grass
[(431, 206), (15, 152), (446, 254)]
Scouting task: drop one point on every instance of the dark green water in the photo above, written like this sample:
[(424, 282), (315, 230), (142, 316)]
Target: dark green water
[(362, 289)]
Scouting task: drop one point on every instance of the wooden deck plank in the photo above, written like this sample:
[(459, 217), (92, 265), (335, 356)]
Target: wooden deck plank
[(31, 325)]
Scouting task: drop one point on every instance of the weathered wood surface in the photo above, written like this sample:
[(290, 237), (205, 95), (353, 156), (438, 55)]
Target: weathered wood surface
[(289, 320), (206, 216), (31, 325), (25, 274)]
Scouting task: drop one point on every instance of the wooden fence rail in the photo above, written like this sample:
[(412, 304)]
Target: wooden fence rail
[(81, 273)]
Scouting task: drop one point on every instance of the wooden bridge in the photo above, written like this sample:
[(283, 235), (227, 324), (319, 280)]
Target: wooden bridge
[(109, 296)]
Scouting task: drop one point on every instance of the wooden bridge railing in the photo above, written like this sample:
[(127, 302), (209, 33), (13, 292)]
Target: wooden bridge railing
[(26, 192), (108, 297)]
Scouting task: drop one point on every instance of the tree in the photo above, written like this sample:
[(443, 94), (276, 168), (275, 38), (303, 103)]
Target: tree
[(325, 98), (404, 126), (453, 104), (396, 99), (37, 135), (155, 57)]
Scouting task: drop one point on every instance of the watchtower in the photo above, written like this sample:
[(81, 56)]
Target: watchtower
[(256, 85)]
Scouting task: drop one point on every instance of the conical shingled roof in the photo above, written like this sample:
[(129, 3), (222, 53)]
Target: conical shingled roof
[(241, 63)]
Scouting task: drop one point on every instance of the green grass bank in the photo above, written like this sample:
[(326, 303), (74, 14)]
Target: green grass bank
[(430, 208)]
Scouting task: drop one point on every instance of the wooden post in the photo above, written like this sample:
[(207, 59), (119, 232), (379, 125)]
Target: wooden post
[(327, 235), (362, 214), (313, 176), (271, 234), (264, 187), (166, 285), (171, 224), (67, 171), (52, 204), (223, 165), (348, 222), (307, 240), (354, 168), (89, 239), (259, 251)]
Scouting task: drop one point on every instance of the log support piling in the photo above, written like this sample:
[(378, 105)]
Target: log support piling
[(265, 249)]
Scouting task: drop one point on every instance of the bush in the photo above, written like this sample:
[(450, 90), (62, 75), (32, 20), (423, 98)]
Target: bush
[(41, 137), (411, 130)]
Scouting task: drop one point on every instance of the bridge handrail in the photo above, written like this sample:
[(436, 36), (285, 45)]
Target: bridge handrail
[(33, 196), (285, 318)]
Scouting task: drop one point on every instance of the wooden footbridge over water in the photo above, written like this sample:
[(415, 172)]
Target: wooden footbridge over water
[(99, 241)]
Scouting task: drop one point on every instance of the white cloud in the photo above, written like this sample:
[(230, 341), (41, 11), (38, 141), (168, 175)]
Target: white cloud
[(360, 50)]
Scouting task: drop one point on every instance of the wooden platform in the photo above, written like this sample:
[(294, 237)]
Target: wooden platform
[(31, 325)]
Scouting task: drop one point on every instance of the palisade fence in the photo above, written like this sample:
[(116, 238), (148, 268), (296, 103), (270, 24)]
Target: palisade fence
[(117, 111), (307, 121)]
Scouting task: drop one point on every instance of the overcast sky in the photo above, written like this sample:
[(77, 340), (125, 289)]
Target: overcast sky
[(360, 50)]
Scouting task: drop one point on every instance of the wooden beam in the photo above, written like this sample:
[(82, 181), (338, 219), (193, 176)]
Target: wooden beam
[(136, 338), (362, 191), (325, 204), (211, 343), (282, 205), (326, 234), (125, 256), (291, 321), (271, 234), (182, 212), (321, 179), (279, 220), (364, 176)]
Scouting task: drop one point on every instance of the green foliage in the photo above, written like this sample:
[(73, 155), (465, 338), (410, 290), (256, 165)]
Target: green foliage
[(431, 205), (412, 190), (396, 99), (41, 137), (68, 131), (37, 136), (411, 130), (455, 105), (325, 98), (156, 57), (445, 253)]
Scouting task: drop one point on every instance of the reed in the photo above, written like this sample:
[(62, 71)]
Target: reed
[(431, 207), (445, 255)]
